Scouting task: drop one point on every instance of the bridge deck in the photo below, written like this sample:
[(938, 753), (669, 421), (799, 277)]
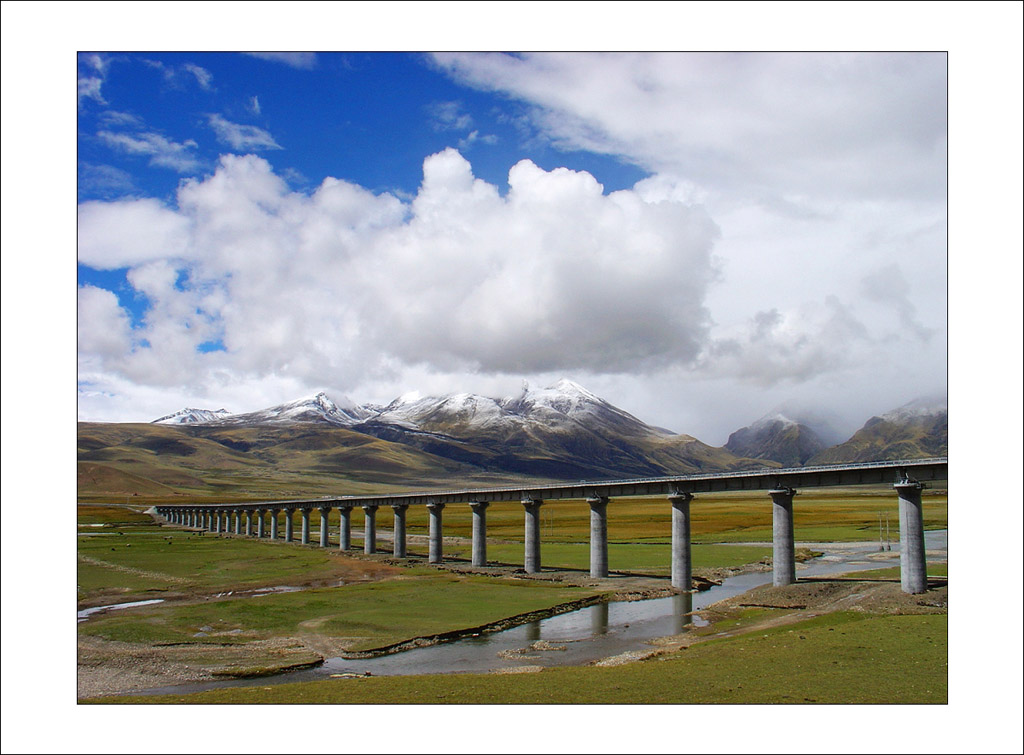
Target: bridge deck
[(867, 473)]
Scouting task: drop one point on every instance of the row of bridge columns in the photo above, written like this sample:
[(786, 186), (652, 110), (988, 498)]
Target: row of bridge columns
[(913, 567)]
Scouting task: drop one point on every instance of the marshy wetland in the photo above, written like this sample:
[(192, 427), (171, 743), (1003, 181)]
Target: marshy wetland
[(235, 610)]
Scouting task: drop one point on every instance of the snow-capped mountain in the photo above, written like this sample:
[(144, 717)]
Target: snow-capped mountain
[(563, 406), (318, 408), (918, 410), (190, 416), (427, 412), (778, 438), (918, 429), (562, 430)]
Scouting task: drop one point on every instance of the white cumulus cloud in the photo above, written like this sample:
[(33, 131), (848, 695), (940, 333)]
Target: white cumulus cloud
[(342, 286)]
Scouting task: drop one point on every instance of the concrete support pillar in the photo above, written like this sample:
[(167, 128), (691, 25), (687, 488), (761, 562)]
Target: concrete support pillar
[(345, 535), (248, 522), (273, 523), (238, 521), (305, 526), (435, 538), (479, 532), (531, 557), (682, 563), (370, 529), (913, 564), (598, 536), (260, 518), (783, 550), (209, 520), (399, 546), (289, 524), (325, 528)]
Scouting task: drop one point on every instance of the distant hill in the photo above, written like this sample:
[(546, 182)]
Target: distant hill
[(563, 431), (300, 460), (776, 437), (917, 430), (317, 446)]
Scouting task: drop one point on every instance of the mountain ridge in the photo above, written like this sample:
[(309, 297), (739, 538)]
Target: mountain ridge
[(564, 431)]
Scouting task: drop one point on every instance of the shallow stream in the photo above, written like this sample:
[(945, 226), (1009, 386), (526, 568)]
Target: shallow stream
[(581, 636)]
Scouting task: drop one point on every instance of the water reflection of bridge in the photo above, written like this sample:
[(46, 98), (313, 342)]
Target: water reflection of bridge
[(908, 478)]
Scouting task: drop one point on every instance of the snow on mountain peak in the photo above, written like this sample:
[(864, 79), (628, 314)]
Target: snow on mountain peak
[(772, 418), (565, 396), (190, 416), (319, 405), (918, 408)]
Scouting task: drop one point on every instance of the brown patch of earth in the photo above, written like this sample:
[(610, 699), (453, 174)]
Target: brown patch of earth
[(107, 668)]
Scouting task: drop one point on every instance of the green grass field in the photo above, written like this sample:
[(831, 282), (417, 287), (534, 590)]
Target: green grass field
[(139, 563), (654, 559), (824, 515), (124, 555), (839, 658), (106, 515), (424, 602)]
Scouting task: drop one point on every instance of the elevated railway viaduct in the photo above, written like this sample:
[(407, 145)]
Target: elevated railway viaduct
[(908, 478)]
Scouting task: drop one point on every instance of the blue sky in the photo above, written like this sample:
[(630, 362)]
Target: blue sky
[(367, 117), (151, 122), (676, 231)]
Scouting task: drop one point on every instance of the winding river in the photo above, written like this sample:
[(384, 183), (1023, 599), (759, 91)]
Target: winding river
[(579, 637)]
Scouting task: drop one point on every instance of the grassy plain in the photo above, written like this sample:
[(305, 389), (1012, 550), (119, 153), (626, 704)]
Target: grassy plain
[(831, 659), (359, 602), (123, 564), (822, 515), (368, 615)]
